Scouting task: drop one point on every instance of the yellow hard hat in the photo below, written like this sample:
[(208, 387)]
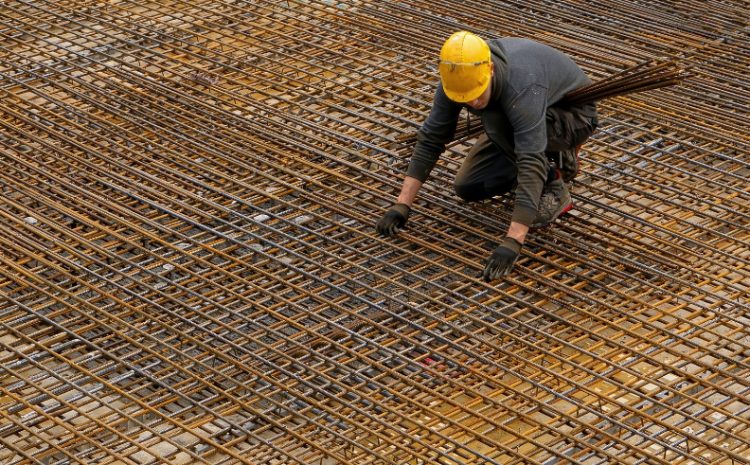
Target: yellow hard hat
[(465, 68)]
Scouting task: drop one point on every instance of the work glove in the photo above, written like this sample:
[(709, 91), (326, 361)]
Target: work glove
[(502, 259), (394, 219)]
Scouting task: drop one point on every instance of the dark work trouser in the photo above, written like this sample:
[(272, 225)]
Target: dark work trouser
[(490, 170)]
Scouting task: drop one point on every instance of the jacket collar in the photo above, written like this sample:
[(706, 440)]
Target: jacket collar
[(501, 69)]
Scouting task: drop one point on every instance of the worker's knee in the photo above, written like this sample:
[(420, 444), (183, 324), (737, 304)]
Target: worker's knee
[(470, 192), (482, 190)]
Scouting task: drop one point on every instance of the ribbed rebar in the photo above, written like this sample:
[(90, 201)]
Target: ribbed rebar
[(189, 271)]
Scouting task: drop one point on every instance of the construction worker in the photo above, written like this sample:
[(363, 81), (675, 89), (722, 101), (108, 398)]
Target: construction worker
[(529, 145)]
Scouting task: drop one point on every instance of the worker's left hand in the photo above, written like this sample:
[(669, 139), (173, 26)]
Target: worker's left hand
[(502, 259)]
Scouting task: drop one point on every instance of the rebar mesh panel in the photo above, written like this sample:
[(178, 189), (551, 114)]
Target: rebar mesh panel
[(189, 271)]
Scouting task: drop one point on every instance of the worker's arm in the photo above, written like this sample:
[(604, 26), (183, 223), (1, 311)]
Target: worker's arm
[(409, 191), (527, 117), (530, 183), (518, 231), (437, 130)]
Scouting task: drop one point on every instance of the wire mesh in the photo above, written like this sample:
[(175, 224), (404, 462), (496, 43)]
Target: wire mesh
[(189, 271)]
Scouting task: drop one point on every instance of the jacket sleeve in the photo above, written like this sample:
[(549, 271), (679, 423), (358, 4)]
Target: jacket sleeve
[(532, 173), (530, 138), (437, 130)]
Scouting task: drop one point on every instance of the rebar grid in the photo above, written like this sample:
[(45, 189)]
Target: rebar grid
[(190, 273)]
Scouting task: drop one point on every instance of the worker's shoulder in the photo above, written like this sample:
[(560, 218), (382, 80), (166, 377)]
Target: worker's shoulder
[(519, 45), (514, 40)]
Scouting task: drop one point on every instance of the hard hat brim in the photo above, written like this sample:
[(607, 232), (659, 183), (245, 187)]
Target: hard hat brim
[(468, 96)]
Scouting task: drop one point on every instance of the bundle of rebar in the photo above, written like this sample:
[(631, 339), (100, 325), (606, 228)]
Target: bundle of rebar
[(189, 271), (639, 78)]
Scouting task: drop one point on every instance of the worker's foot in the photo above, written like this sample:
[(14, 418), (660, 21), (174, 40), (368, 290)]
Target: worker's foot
[(568, 163), (554, 203)]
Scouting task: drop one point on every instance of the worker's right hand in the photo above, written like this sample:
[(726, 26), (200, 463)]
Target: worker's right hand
[(393, 220)]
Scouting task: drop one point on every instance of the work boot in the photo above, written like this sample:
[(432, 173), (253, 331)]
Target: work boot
[(568, 163), (555, 202)]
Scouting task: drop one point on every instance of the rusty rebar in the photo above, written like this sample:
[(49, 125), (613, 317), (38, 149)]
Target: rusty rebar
[(189, 271)]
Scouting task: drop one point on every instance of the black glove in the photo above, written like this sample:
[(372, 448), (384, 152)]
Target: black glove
[(393, 219), (502, 259)]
